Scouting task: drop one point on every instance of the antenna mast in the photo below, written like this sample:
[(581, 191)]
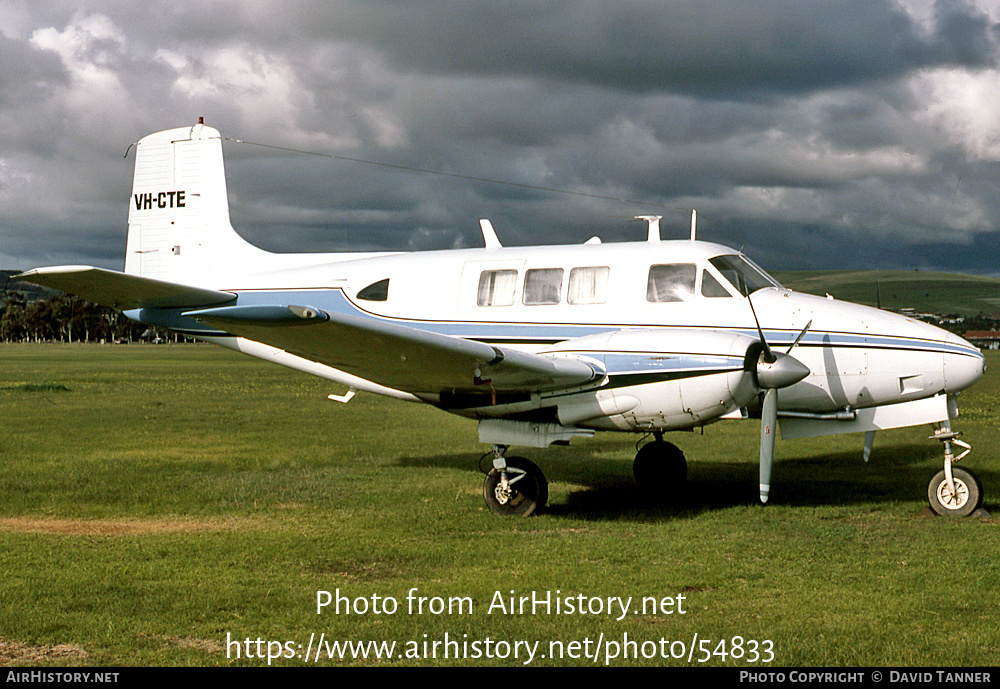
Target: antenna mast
[(653, 231)]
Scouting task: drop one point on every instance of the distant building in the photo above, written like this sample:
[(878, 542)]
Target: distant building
[(984, 339)]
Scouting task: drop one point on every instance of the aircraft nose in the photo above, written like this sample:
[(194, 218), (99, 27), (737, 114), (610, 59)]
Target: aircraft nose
[(963, 368)]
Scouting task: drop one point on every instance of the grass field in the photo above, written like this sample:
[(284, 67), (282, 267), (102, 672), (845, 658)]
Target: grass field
[(157, 501)]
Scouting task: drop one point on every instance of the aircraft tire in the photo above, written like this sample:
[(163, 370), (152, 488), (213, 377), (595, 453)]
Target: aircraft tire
[(967, 498), (659, 465), (526, 497)]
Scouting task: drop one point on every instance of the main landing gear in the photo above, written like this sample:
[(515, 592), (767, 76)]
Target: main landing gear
[(659, 467), (515, 486), (953, 491)]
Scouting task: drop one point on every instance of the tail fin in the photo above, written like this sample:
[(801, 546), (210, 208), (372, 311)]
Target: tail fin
[(178, 222)]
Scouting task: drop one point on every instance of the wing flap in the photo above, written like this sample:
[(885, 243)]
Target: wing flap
[(397, 356), (122, 291)]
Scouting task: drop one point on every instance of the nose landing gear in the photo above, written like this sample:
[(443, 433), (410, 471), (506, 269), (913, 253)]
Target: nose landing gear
[(953, 491)]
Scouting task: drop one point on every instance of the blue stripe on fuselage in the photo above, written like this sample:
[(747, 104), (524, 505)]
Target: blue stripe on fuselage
[(334, 301)]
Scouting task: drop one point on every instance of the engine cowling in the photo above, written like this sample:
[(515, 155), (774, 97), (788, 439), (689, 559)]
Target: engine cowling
[(661, 379)]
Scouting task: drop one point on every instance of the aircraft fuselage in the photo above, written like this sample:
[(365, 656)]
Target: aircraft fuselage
[(668, 321)]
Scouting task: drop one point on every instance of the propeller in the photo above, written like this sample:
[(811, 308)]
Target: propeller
[(772, 372)]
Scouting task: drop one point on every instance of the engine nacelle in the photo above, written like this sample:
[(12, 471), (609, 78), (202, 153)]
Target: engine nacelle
[(660, 379)]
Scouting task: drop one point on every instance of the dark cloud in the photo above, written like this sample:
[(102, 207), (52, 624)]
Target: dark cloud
[(816, 134), (27, 73), (964, 37), (722, 49), (28, 78)]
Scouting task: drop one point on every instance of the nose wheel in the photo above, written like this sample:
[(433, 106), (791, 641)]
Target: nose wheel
[(959, 499), (953, 491)]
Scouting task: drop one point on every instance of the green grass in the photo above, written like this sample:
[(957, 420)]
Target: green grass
[(154, 500), (966, 295)]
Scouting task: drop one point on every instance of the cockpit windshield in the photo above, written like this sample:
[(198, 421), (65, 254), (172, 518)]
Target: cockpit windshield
[(743, 273)]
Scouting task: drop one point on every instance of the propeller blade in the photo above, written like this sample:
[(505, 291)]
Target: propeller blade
[(768, 355), (799, 338), (773, 371), (768, 420)]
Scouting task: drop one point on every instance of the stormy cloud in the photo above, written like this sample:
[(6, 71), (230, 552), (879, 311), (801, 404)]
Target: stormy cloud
[(812, 133)]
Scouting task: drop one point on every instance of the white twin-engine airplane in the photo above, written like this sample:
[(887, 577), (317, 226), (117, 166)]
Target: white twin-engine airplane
[(539, 344)]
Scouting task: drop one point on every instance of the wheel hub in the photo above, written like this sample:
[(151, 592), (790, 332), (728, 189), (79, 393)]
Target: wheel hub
[(954, 500), (519, 488), (503, 492)]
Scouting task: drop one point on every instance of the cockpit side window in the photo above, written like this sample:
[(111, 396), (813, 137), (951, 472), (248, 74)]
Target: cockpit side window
[(377, 291), (710, 287), (671, 282), (744, 275)]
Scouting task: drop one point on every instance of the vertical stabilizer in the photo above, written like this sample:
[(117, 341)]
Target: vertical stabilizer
[(178, 222)]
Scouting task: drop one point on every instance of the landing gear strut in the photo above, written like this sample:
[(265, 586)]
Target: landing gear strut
[(515, 486), (659, 466), (953, 492)]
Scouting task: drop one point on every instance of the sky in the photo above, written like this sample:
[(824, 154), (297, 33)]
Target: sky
[(812, 134)]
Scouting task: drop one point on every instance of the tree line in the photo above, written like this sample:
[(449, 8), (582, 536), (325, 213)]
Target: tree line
[(64, 318), (29, 313)]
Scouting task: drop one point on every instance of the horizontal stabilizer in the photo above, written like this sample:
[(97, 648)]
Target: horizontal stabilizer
[(122, 291), (398, 356)]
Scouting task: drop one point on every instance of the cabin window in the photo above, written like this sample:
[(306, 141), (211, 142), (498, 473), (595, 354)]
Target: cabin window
[(673, 282), (496, 287), (542, 286), (377, 291), (588, 285), (710, 287)]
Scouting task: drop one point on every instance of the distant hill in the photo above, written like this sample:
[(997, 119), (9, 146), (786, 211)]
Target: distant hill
[(941, 293), (31, 292)]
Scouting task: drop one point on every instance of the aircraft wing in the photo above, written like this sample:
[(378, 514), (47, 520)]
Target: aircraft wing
[(398, 356), (122, 291)]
